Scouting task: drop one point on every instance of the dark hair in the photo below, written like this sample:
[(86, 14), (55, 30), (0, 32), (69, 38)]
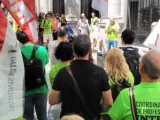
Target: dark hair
[(22, 37), (64, 51), (150, 68), (128, 36), (81, 45), (47, 15), (62, 32)]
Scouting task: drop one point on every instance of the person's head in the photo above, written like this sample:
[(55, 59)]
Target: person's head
[(50, 13), (53, 15), (47, 16), (116, 65), (72, 117), (22, 37), (64, 52), (83, 15), (58, 18), (128, 37), (93, 14), (62, 33), (41, 15), (63, 17), (150, 66), (82, 46), (112, 20)]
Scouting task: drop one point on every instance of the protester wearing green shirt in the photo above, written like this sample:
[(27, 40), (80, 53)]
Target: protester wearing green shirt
[(117, 69), (93, 20), (64, 53), (55, 69), (147, 94), (112, 34), (47, 25), (37, 97)]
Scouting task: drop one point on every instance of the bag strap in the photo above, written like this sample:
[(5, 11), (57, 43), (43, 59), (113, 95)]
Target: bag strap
[(79, 93), (23, 56), (35, 48), (133, 104)]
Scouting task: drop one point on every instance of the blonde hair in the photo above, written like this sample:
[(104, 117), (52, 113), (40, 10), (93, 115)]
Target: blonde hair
[(116, 65), (72, 117)]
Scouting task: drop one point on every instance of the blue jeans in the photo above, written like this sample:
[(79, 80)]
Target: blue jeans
[(37, 101), (110, 44)]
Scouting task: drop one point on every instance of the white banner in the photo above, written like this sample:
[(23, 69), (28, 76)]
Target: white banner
[(101, 6), (11, 73), (153, 40)]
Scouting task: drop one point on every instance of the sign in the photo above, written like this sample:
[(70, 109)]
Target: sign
[(23, 11), (11, 73)]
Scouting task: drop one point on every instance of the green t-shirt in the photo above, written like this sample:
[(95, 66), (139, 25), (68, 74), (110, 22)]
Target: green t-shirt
[(55, 69), (48, 24), (147, 97), (93, 21), (111, 34), (42, 54), (131, 79)]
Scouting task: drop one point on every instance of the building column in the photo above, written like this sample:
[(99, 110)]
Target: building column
[(37, 3)]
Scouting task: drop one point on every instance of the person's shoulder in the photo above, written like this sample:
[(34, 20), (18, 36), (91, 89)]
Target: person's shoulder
[(125, 92), (62, 72), (41, 49)]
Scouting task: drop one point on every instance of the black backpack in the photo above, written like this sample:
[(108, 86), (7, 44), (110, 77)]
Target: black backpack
[(34, 72), (118, 87), (132, 57)]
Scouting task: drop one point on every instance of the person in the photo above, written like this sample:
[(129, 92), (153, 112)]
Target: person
[(63, 20), (85, 30), (112, 34), (91, 79), (47, 25), (64, 53), (95, 35), (72, 117), (55, 27), (79, 23), (70, 31), (128, 38), (132, 53), (40, 30), (93, 19), (117, 70), (146, 95), (62, 36), (35, 98)]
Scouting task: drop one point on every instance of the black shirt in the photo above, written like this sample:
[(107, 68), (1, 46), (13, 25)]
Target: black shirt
[(92, 81)]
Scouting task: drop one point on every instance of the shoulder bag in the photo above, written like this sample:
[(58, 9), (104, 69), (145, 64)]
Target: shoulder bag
[(133, 104), (79, 93)]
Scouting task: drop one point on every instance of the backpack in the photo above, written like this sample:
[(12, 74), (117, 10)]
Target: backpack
[(118, 87), (34, 72), (132, 57)]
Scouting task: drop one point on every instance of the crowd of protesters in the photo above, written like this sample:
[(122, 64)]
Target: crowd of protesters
[(128, 87)]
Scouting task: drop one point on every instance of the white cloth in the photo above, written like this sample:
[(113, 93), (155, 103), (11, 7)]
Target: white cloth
[(51, 50), (47, 37), (96, 31), (101, 6), (153, 40), (54, 112)]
